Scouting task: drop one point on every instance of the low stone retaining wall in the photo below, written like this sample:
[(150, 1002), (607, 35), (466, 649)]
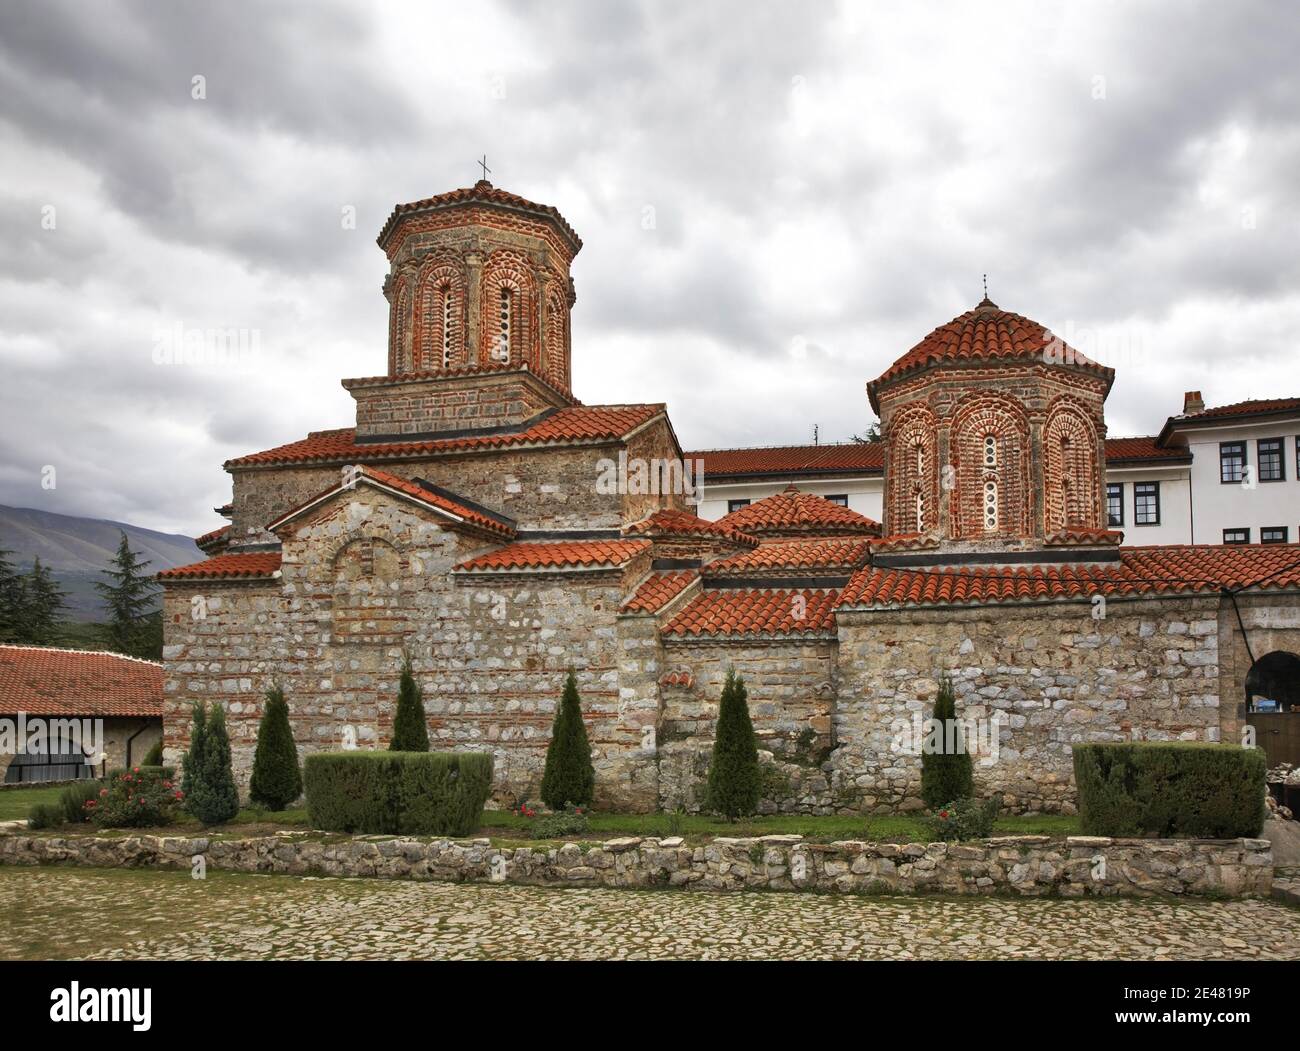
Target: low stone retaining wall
[(1026, 865)]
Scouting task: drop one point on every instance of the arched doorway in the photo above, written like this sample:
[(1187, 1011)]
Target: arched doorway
[(1273, 683), (1273, 706)]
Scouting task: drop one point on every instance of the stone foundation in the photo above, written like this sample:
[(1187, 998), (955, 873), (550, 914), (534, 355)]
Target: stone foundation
[(1027, 866)]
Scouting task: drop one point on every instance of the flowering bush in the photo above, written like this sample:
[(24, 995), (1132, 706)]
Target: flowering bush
[(136, 798), (964, 819), (571, 821)]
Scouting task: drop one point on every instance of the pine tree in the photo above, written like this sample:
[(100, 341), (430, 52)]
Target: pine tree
[(43, 604), (946, 772), (410, 731), (569, 777), (11, 600), (212, 797), (277, 777), (129, 597), (734, 784)]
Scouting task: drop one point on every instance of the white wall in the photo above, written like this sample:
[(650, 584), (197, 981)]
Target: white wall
[(1218, 506), (1175, 507), (865, 494)]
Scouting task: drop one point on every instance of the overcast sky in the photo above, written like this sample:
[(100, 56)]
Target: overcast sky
[(776, 200)]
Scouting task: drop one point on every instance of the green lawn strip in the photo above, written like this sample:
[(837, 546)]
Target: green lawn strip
[(17, 803), (509, 829)]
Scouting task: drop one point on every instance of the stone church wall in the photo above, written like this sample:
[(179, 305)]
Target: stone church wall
[(1052, 675)]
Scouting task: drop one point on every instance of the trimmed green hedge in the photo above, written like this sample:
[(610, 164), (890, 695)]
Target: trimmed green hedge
[(1170, 788), (412, 793)]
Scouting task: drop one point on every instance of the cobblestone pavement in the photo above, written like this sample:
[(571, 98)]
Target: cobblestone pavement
[(67, 913)]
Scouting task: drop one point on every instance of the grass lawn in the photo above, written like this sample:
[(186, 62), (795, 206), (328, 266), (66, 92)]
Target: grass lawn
[(508, 827)]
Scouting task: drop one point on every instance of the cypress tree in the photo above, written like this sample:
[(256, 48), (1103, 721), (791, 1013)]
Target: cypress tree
[(277, 778), (734, 784), (569, 777), (193, 758), (213, 798), (43, 605), (128, 596), (410, 731), (947, 773)]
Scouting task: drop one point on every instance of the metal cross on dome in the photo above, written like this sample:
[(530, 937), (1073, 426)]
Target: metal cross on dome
[(483, 164)]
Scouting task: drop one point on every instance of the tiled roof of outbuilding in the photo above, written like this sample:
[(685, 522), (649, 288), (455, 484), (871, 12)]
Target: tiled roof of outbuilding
[(527, 555), (232, 565), (659, 589), (758, 611), (793, 511), (820, 554), (44, 681)]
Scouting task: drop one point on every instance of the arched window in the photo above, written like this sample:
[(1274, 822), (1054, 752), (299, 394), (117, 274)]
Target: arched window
[(448, 303), (991, 505), (505, 320)]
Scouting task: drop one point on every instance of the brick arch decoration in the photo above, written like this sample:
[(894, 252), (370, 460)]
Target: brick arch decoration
[(365, 608), (440, 307), (913, 471), (399, 315), (1071, 478), (508, 269), (978, 416), (557, 338)]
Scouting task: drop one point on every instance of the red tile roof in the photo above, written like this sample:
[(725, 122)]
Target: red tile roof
[(1248, 408), (482, 192), (836, 553), (43, 681), (1142, 449), (214, 538), (659, 589), (987, 333), (849, 458), (1173, 569), (668, 523), (577, 423), (793, 511), (682, 680), (568, 553), (230, 566), (443, 502), (742, 611)]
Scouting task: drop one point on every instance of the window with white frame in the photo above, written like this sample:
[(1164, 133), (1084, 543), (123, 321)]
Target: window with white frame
[(1273, 534), (1115, 504), (1146, 503), (1272, 467), (1232, 461)]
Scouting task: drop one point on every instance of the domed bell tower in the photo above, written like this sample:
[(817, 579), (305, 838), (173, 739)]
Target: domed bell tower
[(479, 294)]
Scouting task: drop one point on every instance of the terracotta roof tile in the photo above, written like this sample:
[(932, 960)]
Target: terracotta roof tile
[(442, 501), (482, 192), (577, 423), (682, 680), (230, 566), (987, 333), (793, 512), (837, 553), (44, 681), (737, 611), (849, 458), (672, 523), (530, 555), (659, 589), (1142, 449), (1172, 569), (1253, 407), (213, 539)]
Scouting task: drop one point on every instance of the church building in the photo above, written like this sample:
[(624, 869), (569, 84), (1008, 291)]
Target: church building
[(482, 520)]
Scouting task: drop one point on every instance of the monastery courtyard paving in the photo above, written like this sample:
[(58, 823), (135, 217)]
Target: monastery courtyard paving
[(69, 913)]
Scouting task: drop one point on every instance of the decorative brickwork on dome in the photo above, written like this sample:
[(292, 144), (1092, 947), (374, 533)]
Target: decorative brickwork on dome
[(994, 435)]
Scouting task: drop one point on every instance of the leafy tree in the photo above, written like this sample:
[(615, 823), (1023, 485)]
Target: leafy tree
[(410, 731), (569, 776), (734, 783), (129, 597), (946, 769), (212, 796), (43, 603), (277, 777), (153, 757), (193, 758)]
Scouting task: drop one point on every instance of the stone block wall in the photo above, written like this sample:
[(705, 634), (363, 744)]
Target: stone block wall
[(1052, 674), (452, 403)]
